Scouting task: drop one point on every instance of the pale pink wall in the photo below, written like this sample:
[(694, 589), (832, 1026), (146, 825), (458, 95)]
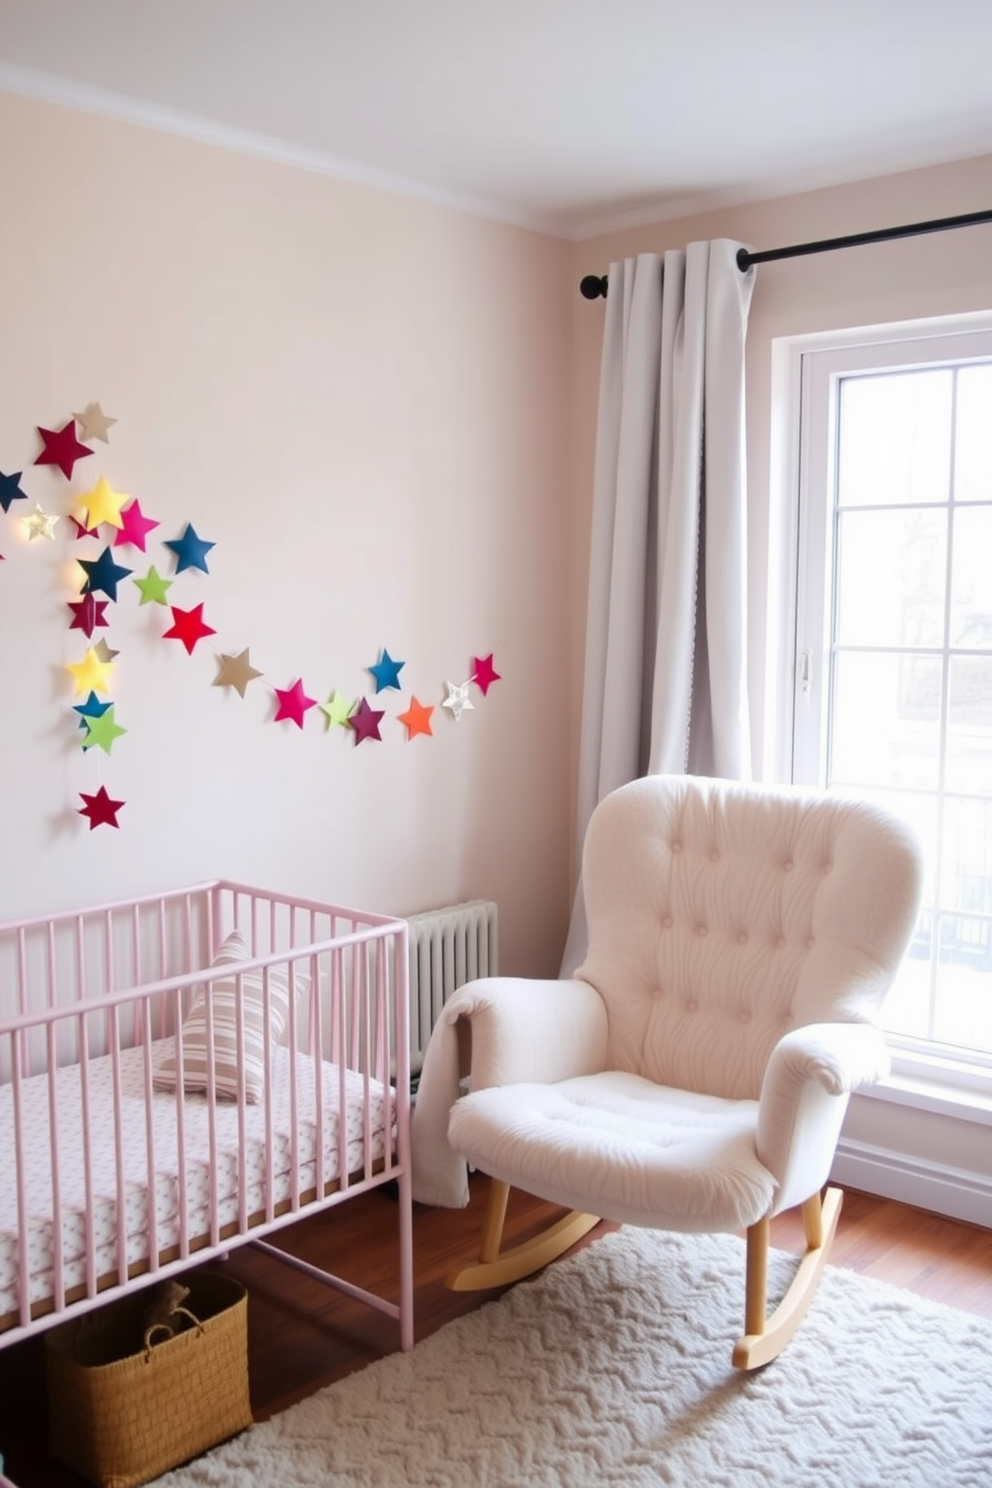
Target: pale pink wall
[(939, 274), (363, 401)]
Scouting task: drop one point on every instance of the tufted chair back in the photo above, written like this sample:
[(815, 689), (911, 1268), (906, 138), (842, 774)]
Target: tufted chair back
[(721, 916)]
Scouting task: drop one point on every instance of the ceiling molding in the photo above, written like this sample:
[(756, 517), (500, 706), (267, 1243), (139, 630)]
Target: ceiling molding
[(49, 88)]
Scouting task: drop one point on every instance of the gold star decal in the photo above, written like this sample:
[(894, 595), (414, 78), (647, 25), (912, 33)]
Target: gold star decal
[(103, 504), (235, 671), (93, 423), (40, 524), (91, 674), (103, 651)]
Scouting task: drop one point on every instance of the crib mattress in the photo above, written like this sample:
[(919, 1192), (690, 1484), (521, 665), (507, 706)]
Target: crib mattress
[(167, 1206)]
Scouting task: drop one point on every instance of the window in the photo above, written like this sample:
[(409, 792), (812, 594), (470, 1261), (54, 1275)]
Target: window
[(893, 643)]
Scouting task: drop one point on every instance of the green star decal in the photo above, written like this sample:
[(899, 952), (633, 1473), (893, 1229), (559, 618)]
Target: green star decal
[(337, 710), (153, 587), (102, 731)]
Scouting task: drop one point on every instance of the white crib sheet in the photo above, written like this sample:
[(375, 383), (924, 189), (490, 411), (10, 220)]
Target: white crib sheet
[(167, 1204)]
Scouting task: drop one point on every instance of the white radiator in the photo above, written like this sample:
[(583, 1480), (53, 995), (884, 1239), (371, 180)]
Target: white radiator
[(448, 946)]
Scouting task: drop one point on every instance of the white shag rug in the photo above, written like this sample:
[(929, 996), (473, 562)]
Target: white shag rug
[(613, 1368)]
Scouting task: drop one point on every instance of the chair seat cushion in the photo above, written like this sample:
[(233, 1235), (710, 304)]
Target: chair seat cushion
[(621, 1147)]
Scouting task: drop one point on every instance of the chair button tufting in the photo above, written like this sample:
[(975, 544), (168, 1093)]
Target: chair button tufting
[(692, 1007), (745, 1016), (666, 923), (676, 847), (742, 938), (701, 930), (788, 865), (714, 857), (780, 943)]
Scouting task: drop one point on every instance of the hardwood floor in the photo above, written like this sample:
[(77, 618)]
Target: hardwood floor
[(302, 1336)]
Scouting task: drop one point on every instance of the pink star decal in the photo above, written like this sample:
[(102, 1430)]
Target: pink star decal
[(62, 448), (135, 526), (188, 626), (293, 702), (88, 613), (82, 530), (484, 674), (365, 721), (101, 810)]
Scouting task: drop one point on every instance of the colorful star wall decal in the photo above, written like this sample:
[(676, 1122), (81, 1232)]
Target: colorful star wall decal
[(153, 588), (92, 708), (484, 674), (10, 489), (101, 809), (91, 673), (386, 672), (188, 626), (293, 703), (236, 671), (88, 613), (94, 423), (102, 730), (62, 448), (458, 700), (103, 574), (134, 525), (190, 550), (103, 651), (337, 710), (40, 524), (417, 719), (102, 504), (82, 530), (365, 720)]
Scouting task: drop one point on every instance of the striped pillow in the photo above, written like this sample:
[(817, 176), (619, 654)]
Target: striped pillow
[(224, 995)]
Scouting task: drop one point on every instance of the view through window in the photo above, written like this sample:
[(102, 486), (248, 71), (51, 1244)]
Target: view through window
[(894, 652)]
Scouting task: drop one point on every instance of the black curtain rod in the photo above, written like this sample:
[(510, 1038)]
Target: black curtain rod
[(594, 286)]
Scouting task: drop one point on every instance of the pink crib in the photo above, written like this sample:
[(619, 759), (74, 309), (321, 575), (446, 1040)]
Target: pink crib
[(186, 1072)]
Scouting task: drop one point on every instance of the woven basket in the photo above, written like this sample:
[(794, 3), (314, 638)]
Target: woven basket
[(122, 1413)]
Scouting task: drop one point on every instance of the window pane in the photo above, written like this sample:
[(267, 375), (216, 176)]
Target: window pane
[(966, 858), (885, 720), (963, 1007), (973, 451), (891, 570), (971, 578), (896, 438), (969, 725)]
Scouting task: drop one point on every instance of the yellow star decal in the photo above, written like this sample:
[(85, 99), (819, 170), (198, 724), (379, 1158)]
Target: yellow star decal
[(91, 673), (93, 423), (103, 504), (40, 524), (337, 710)]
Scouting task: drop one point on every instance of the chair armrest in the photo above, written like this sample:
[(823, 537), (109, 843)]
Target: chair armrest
[(520, 1030), (810, 1077), (534, 1031)]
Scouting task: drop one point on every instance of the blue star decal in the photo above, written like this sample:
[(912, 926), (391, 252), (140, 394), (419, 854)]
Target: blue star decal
[(102, 574), (10, 489), (92, 708), (386, 671), (190, 550)]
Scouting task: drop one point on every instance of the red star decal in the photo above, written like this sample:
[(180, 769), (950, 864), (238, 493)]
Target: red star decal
[(88, 613), (136, 526), (188, 626), (365, 721), (82, 530), (101, 810), (293, 702), (484, 674), (62, 448)]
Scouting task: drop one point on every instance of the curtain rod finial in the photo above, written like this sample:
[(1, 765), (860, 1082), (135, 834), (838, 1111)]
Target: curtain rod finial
[(594, 286), (743, 260)]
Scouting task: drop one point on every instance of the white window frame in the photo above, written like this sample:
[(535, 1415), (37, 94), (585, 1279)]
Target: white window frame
[(803, 368)]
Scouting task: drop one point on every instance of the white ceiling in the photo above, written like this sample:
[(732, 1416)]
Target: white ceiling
[(569, 115)]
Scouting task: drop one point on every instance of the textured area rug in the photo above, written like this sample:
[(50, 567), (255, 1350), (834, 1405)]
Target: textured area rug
[(613, 1367)]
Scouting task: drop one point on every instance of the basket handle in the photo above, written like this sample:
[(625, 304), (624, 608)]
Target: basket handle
[(157, 1328)]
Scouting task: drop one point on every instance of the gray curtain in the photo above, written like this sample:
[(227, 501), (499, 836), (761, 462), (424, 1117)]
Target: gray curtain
[(665, 688)]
